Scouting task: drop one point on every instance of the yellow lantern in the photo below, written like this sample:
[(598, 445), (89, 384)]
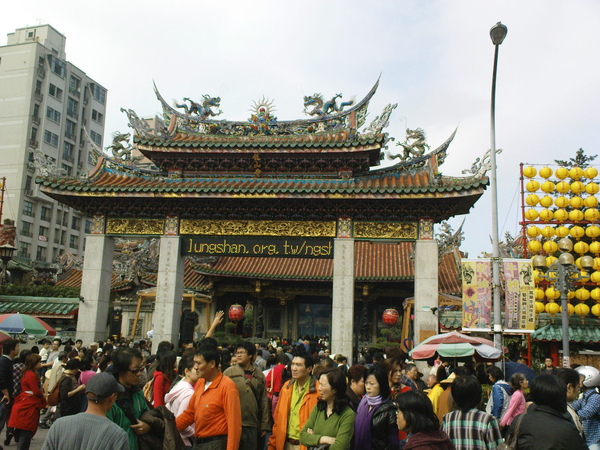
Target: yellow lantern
[(545, 172), (532, 186), (595, 277), (570, 309), (582, 294), (533, 231), (536, 276), (548, 186), (539, 293), (550, 247), (576, 215), (532, 200), (592, 188), (595, 294), (561, 173), (590, 172), (534, 246), (552, 293), (576, 173), (595, 310), (591, 214), (550, 260), (531, 214), (561, 202), (563, 187), (596, 264), (570, 294), (581, 247), (546, 215), (576, 202), (546, 201), (561, 215), (594, 246), (584, 277), (577, 187), (590, 202), (576, 231), (539, 307), (552, 308), (582, 310), (562, 231), (548, 232), (529, 172), (592, 231)]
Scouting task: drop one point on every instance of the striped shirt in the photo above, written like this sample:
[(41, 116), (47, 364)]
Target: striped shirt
[(588, 410), (472, 430)]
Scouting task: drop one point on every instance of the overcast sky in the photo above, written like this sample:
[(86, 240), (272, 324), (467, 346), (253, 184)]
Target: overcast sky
[(435, 60)]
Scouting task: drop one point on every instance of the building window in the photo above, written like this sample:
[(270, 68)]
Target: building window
[(73, 242), (70, 130), (96, 137), (88, 227), (28, 209), (33, 135), (68, 169), (43, 232), (52, 114), (46, 214), (75, 223), (57, 66), (28, 182), (26, 229), (98, 93), (55, 92), (38, 87), (72, 108), (68, 151), (97, 116), (75, 86), (50, 138), (40, 254), (24, 249)]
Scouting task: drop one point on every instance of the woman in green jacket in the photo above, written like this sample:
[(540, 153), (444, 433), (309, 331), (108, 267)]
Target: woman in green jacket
[(331, 422)]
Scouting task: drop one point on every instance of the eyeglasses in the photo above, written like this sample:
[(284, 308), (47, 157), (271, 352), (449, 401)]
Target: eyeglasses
[(135, 371), (241, 353)]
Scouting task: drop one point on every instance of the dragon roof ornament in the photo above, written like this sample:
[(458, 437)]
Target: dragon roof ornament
[(481, 165), (330, 117), (46, 165)]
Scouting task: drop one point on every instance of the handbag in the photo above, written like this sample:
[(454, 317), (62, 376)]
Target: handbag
[(510, 442)]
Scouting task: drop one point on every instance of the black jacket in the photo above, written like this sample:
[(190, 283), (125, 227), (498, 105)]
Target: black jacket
[(384, 427), (6, 374), (544, 428)]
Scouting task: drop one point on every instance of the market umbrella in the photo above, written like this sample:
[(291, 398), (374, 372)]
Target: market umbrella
[(23, 323), (455, 345)]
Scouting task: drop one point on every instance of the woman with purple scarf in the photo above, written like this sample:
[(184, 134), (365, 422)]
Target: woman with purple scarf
[(375, 426)]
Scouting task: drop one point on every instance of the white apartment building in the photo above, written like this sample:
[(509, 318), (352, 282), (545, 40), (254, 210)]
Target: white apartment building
[(45, 104)]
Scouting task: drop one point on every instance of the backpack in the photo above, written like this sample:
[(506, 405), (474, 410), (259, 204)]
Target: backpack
[(505, 400), (149, 391), (54, 395)]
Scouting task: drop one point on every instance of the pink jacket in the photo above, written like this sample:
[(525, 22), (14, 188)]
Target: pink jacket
[(515, 407)]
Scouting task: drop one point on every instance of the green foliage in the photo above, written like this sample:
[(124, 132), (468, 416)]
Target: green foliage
[(42, 290), (227, 339), (581, 160), (229, 327)]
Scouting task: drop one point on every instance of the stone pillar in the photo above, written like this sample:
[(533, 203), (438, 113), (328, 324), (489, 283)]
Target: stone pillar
[(169, 291), (342, 307), (95, 289), (426, 283)]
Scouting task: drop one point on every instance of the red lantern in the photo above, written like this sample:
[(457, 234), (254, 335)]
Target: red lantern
[(236, 312), (390, 317)]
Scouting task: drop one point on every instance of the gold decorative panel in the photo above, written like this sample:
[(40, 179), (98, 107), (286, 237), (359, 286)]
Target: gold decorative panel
[(135, 226), (98, 225), (257, 228), (426, 229), (171, 226), (385, 230), (344, 227)]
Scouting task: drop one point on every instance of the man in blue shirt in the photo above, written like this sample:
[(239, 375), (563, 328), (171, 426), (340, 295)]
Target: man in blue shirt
[(588, 406)]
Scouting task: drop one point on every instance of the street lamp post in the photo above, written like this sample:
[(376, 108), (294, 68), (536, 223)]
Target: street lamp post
[(497, 33), (6, 254), (565, 274)]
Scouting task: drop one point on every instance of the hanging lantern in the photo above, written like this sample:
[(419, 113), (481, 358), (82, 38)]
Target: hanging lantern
[(550, 260), (581, 247), (539, 307), (576, 215), (390, 317), (576, 173), (596, 264), (595, 293), (561, 215), (590, 202), (582, 294), (561, 202), (592, 188), (534, 246), (570, 294), (577, 232), (596, 310), (552, 293), (561, 173), (531, 214), (595, 277), (546, 215), (570, 309), (550, 247), (545, 172), (552, 308), (529, 172), (533, 231), (236, 312), (548, 186), (536, 276), (562, 231), (563, 187), (590, 172), (546, 201), (532, 186), (594, 246), (548, 232), (532, 200), (582, 310), (576, 202), (539, 294), (577, 187), (591, 214)]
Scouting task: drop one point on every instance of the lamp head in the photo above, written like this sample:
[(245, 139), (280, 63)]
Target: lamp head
[(565, 244), (539, 262), (566, 259), (498, 33), (587, 263)]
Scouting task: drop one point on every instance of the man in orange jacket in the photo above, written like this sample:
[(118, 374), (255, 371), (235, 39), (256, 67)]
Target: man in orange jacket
[(214, 406), (296, 400)]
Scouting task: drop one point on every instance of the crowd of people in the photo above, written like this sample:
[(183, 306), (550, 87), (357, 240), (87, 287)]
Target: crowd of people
[(290, 397)]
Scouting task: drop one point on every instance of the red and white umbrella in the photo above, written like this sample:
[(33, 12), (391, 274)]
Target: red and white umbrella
[(456, 345)]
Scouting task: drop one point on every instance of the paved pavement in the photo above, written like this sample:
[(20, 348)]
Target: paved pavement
[(36, 442)]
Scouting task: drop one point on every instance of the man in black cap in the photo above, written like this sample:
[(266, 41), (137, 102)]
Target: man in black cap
[(91, 429)]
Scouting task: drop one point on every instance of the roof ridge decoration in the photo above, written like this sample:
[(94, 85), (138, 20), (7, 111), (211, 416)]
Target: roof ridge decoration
[(46, 165), (331, 117), (481, 165)]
